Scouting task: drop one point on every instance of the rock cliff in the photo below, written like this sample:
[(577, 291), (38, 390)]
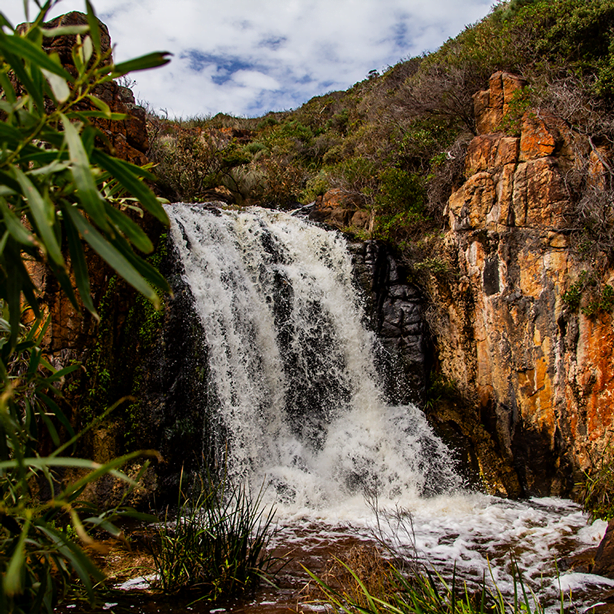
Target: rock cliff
[(512, 329)]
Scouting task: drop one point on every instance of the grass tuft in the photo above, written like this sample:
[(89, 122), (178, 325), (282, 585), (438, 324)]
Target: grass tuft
[(216, 544)]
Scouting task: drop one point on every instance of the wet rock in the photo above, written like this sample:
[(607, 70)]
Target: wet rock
[(395, 309), (604, 557)]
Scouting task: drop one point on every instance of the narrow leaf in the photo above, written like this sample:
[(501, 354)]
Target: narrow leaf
[(88, 49), (81, 171), (110, 254), (43, 214), (24, 48), (22, 75), (59, 414), (133, 232), (7, 87), (92, 20), (12, 579), (14, 226), (150, 273), (79, 264), (126, 176), (151, 60), (101, 104), (58, 85), (64, 31), (100, 114)]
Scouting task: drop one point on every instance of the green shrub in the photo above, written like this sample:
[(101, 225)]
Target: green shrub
[(588, 295), (316, 186), (400, 191), (188, 162)]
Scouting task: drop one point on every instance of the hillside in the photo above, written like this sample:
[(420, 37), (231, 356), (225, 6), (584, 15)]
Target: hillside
[(396, 141)]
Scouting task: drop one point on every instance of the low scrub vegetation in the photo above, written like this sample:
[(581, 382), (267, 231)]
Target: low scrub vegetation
[(398, 138)]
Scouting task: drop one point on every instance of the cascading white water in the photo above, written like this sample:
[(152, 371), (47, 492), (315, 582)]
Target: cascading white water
[(298, 404), (292, 367)]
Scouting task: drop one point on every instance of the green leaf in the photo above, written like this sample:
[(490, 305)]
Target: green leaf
[(88, 49), (79, 264), (94, 26), (81, 171), (151, 274), (126, 176), (58, 85), (132, 231), (101, 104), (64, 31), (110, 255), (58, 374), (12, 579), (13, 225), (43, 214), (145, 62), (105, 524), (9, 135), (106, 468), (22, 74), (59, 414), (100, 114), (24, 48), (5, 22), (49, 169)]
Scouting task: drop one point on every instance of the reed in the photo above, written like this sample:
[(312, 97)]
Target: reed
[(400, 582), (427, 592), (217, 543)]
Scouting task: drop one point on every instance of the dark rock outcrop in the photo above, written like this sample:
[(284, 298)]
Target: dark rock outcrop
[(604, 558), (395, 311)]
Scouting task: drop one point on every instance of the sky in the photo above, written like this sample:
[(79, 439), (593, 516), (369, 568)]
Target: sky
[(247, 57)]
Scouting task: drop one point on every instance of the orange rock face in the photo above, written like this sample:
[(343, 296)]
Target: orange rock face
[(342, 209), (540, 371)]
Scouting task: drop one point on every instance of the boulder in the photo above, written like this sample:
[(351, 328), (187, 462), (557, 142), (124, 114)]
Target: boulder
[(342, 209)]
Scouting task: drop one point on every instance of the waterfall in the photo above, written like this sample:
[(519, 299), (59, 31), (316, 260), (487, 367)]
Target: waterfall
[(295, 395), (295, 402)]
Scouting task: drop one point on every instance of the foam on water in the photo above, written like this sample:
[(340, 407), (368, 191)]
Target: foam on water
[(299, 404)]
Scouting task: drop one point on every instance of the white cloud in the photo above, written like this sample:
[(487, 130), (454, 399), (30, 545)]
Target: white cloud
[(246, 57)]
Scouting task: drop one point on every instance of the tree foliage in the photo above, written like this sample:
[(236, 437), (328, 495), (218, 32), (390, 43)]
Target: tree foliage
[(59, 189)]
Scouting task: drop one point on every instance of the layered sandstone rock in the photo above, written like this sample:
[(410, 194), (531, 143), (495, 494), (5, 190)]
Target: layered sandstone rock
[(541, 373)]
